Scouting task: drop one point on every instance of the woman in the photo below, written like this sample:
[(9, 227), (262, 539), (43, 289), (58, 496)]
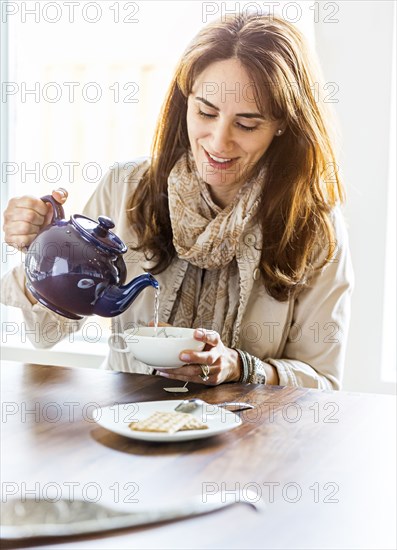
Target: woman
[(233, 213)]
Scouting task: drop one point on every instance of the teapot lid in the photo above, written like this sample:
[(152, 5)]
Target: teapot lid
[(99, 233)]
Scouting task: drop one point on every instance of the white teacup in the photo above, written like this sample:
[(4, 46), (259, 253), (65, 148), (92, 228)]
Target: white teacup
[(159, 351)]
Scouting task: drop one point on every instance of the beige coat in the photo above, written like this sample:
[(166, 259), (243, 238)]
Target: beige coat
[(304, 338)]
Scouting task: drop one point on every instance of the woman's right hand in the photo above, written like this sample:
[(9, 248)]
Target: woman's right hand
[(25, 216)]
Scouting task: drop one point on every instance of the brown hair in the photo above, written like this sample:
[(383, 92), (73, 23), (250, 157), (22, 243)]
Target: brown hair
[(297, 198)]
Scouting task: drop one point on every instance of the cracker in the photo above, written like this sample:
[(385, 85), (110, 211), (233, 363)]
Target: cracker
[(167, 422), (193, 424)]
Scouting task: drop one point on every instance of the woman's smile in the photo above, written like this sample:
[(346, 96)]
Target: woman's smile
[(218, 162)]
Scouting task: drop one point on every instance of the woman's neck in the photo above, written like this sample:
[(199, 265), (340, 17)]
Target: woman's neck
[(222, 197)]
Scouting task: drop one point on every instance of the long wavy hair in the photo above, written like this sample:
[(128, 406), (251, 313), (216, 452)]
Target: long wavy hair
[(301, 185)]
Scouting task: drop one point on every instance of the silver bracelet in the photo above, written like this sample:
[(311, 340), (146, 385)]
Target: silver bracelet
[(245, 372), (253, 369), (257, 372)]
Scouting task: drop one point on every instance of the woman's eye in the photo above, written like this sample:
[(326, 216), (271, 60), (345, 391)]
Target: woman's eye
[(245, 128), (205, 115)]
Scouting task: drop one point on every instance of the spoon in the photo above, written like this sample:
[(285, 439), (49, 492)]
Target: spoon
[(29, 518), (190, 405)]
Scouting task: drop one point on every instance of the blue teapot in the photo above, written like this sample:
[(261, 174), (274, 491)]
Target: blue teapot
[(75, 267)]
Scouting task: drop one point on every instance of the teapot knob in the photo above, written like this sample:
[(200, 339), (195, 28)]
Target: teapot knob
[(105, 224)]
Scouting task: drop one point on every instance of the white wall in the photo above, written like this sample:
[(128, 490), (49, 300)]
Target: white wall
[(356, 54)]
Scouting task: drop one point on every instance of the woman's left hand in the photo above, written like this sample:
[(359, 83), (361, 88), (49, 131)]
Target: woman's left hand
[(223, 363)]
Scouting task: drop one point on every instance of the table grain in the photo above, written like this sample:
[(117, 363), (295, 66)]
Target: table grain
[(323, 462)]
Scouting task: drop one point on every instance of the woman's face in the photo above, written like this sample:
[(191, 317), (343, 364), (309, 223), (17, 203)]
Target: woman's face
[(227, 133)]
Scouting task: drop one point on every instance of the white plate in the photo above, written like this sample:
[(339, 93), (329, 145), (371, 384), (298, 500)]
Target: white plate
[(117, 417)]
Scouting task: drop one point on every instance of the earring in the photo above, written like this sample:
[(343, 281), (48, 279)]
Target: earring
[(279, 132)]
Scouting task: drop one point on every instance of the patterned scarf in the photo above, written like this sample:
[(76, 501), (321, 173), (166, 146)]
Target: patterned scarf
[(213, 276)]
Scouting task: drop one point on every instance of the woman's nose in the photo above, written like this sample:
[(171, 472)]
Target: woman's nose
[(221, 138)]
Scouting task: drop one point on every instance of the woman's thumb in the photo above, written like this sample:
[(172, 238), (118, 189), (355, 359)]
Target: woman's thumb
[(60, 194)]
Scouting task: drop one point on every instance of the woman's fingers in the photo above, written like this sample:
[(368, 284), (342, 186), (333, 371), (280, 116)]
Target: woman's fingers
[(192, 371), (60, 194), (17, 205), (25, 216), (210, 337), (200, 357), (188, 373), (211, 352), (212, 366)]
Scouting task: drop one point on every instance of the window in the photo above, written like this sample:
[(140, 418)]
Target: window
[(388, 373)]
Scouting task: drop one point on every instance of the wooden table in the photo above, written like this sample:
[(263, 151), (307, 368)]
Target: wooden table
[(324, 462)]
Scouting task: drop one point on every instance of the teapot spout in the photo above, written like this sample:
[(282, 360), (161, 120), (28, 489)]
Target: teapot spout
[(116, 299)]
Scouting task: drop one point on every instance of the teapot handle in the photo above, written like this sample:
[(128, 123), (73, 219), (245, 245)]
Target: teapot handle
[(58, 212)]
